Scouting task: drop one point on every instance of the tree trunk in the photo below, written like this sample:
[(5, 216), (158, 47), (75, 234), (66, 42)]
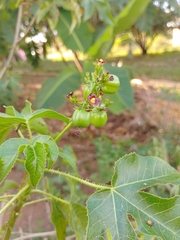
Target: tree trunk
[(144, 51)]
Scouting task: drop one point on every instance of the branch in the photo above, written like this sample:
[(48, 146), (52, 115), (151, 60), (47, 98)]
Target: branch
[(42, 234), (6, 65), (28, 28), (33, 235)]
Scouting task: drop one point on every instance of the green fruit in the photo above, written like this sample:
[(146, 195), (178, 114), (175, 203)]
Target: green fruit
[(81, 118), (111, 86), (98, 118)]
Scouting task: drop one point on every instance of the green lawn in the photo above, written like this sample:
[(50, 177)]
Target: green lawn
[(162, 66)]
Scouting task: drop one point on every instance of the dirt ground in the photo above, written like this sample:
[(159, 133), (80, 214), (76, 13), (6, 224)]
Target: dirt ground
[(150, 116)]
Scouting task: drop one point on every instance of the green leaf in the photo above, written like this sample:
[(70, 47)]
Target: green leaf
[(118, 105), (123, 21), (103, 37), (68, 155), (10, 110), (59, 220), (102, 7), (104, 11), (53, 17), (45, 8), (53, 92), (7, 119), (145, 22), (81, 36), (27, 111), (8, 27), (89, 9), (4, 132), (35, 161), (109, 209), (9, 151), (78, 220), (8, 184), (47, 113), (52, 149), (129, 15), (39, 126)]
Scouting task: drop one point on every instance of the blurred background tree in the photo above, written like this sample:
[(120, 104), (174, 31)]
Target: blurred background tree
[(84, 27), (158, 19)]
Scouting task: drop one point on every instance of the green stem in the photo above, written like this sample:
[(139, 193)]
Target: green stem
[(20, 198), (85, 182), (29, 132), (20, 161), (35, 201), (20, 133), (13, 199), (63, 132), (6, 196), (50, 195)]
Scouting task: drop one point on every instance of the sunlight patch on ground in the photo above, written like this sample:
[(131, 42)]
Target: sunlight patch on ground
[(136, 81)]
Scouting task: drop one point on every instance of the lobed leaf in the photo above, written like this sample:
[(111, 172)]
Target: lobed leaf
[(110, 209)]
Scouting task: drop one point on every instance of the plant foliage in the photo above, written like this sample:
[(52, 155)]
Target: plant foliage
[(124, 208)]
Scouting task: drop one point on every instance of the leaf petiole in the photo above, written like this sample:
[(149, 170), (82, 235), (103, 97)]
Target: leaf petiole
[(50, 196), (63, 132), (80, 180), (14, 198)]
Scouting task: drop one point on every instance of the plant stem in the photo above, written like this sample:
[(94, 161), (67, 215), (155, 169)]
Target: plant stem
[(19, 133), (18, 24), (50, 195), (63, 132), (35, 201), (20, 161), (6, 196), (20, 198), (29, 132), (13, 199), (28, 28), (85, 182)]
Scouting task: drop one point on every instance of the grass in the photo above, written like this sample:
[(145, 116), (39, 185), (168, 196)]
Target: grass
[(161, 66)]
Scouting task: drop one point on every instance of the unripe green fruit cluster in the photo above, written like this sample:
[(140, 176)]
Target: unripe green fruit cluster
[(83, 118)]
